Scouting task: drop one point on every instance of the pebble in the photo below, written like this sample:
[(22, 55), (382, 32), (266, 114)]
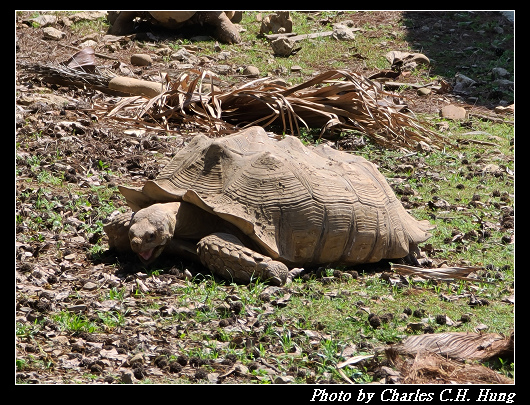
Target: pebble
[(141, 59), (283, 379), (453, 112), (90, 286), (424, 91), (52, 33), (251, 71)]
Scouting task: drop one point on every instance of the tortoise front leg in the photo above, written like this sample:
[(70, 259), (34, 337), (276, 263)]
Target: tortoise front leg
[(226, 256), (116, 226)]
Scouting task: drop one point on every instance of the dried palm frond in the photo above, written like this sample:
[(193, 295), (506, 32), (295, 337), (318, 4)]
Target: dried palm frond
[(439, 273), (334, 99), (74, 72)]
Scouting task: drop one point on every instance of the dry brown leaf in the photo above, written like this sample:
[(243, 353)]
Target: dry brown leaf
[(334, 99)]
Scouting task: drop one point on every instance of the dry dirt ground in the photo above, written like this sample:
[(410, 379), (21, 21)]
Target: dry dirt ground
[(56, 266)]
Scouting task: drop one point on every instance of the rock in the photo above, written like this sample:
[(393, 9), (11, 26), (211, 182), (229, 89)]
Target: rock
[(43, 20), (213, 378), (296, 68), (283, 379), (499, 73), (462, 83), (90, 286), (52, 33), (135, 86), (423, 147), (283, 46), (508, 109), (453, 112), (342, 33), (277, 23), (183, 55), (138, 358), (504, 84), (141, 59), (424, 91), (207, 88), (251, 71), (89, 43), (88, 16)]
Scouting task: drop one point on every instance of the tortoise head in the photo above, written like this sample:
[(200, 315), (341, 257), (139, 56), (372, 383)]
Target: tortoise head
[(151, 229)]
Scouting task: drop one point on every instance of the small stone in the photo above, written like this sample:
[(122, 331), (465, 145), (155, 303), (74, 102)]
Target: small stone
[(283, 379), (212, 378), (499, 73), (423, 147), (52, 33), (453, 112), (44, 20), (138, 358), (141, 59), (480, 327), (282, 46), (424, 91), (90, 286), (251, 71), (343, 33)]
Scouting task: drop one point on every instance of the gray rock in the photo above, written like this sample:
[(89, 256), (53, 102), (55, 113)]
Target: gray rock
[(44, 20), (342, 33), (90, 286), (183, 55), (499, 73), (283, 379), (283, 46), (52, 33), (504, 84), (462, 83), (88, 15)]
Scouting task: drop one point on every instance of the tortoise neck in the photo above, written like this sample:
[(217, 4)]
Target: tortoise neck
[(193, 222)]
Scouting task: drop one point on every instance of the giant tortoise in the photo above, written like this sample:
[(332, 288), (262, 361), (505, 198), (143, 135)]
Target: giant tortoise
[(249, 206), (220, 22)]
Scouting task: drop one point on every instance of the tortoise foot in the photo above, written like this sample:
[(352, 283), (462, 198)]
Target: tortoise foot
[(116, 226), (226, 256)]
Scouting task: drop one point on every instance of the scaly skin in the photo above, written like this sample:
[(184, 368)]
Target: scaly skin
[(226, 256), (151, 230)]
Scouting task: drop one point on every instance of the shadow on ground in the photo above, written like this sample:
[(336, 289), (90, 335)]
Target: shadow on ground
[(478, 45)]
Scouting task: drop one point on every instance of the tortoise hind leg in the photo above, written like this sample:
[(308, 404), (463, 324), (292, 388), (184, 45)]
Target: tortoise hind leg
[(225, 30), (226, 256)]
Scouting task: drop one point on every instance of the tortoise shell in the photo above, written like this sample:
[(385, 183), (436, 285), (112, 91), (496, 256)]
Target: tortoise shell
[(302, 205)]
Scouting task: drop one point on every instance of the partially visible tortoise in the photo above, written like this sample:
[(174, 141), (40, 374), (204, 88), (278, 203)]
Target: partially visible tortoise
[(250, 206), (220, 22)]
